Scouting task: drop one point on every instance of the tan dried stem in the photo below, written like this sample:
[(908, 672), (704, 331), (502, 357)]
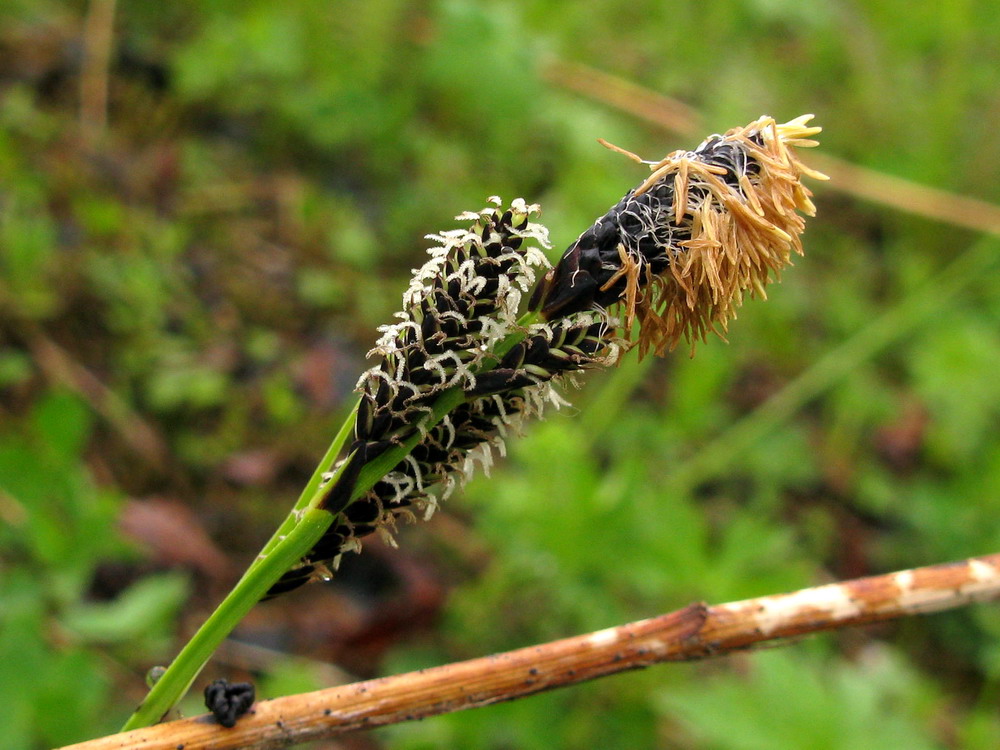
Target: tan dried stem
[(859, 182), (61, 368), (98, 44), (695, 632)]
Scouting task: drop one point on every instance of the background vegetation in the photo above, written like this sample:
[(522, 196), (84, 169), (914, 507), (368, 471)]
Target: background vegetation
[(192, 270)]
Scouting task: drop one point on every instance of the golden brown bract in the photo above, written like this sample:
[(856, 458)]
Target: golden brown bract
[(706, 227), (741, 236)]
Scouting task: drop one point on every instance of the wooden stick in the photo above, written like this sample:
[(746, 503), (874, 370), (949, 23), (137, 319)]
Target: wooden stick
[(859, 182), (61, 368), (695, 632), (98, 44)]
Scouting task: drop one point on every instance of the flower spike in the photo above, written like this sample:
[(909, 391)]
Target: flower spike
[(678, 253), (706, 227)]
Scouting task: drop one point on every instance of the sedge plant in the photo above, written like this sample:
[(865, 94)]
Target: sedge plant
[(490, 334)]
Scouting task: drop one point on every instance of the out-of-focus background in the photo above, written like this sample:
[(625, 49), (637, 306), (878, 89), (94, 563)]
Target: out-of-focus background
[(206, 208)]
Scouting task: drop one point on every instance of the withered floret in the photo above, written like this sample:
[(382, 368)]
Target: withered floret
[(681, 250)]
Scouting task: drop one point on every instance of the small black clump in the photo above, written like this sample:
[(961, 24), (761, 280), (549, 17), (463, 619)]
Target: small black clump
[(228, 701)]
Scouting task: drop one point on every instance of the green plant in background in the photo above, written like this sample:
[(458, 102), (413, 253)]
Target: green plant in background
[(57, 527)]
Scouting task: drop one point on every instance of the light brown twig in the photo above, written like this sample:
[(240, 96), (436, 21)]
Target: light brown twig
[(60, 367), (695, 632), (98, 41), (867, 184)]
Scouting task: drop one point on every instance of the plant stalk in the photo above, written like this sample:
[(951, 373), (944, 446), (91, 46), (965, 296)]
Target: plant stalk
[(298, 533)]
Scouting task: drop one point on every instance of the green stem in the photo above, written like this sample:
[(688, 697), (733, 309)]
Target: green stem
[(175, 682), (296, 536), (308, 496), (298, 533)]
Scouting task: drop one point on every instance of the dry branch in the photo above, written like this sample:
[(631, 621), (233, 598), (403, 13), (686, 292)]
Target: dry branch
[(868, 184), (98, 44), (695, 632)]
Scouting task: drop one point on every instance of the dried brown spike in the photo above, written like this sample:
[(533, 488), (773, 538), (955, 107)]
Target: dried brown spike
[(680, 251)]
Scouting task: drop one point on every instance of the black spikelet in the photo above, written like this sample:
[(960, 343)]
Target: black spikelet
[(461, 304), (678, 253)]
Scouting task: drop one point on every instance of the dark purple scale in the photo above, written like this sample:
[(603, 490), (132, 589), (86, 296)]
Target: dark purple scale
[(385, 418), (640, 225)]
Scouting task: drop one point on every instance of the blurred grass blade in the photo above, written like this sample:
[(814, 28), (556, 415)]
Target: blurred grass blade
[(893, 325)]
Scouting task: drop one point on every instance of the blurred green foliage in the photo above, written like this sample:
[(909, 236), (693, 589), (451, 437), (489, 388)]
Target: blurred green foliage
[(217, 258), (54, 634)]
